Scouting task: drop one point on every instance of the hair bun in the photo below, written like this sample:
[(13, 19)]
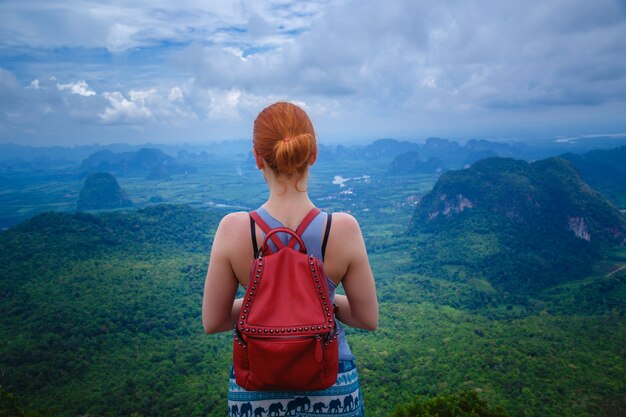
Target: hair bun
[(293, 153), (284, 136)]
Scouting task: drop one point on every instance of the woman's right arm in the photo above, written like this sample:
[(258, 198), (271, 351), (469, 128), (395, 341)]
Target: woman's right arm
[(359, 307), (219, 307)]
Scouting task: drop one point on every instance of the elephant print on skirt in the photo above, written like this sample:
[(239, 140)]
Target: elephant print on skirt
[(342, 399)]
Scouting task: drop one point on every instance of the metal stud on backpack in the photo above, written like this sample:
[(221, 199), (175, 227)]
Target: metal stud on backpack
[(286, 335)]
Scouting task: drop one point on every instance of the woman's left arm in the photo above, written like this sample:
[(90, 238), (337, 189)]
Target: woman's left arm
[(219, 307)]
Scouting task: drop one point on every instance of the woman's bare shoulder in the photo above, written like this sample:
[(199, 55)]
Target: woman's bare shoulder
[(234, 219), (233, 225), (345, 224)]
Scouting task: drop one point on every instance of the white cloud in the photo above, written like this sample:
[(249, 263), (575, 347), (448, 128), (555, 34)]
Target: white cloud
[(166, 107), (374, 67), (120, 37), (9, 86), (224, 104), (80, 87), (176, 94), (143, 96), (123, 110), (120, 26), (458, 54), (429, 82)]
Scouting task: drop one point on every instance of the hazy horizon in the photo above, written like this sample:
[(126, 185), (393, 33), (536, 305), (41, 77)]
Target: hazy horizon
[(619, 138)]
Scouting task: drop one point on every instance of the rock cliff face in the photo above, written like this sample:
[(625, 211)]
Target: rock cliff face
[(101, 191), (454, 205), (579, 227), (540, 215)]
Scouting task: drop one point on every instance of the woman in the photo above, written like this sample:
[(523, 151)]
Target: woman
[(284, 146)]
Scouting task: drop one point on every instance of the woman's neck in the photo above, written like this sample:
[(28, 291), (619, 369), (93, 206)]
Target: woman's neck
[(288, 202)]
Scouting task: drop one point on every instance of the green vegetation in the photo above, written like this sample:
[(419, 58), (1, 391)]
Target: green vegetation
[(101, 191), (521, 226), (9, 407), (604, 170), (465, 404), (107, 322), (100, 314)]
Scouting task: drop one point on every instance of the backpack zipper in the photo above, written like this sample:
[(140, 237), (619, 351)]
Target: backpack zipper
[(319, 353)]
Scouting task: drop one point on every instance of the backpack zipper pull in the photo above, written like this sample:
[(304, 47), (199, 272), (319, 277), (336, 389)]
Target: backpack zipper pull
[(318, 348)]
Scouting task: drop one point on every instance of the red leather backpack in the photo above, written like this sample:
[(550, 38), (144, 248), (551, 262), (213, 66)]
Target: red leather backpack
[(286, 335)]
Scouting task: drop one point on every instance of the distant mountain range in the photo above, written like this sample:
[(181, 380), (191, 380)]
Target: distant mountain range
[(14, 157), (410, 163), (147, 161), (603, 169), (440, 152), (521, 225), (24, 153)]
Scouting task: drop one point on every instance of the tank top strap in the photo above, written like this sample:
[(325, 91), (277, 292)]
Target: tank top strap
[(312, 235)]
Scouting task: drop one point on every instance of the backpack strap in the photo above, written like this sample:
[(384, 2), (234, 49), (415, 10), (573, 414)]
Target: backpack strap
[(255, 247), (265, 248), (265, 227), (304, 224), (329, 220)]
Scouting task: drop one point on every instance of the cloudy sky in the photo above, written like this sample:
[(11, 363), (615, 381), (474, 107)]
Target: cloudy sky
[(200, 70)]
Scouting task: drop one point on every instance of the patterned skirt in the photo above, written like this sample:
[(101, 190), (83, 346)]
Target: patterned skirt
[(342, 399)]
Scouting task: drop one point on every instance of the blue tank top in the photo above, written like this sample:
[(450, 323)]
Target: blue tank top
[(312, 238)]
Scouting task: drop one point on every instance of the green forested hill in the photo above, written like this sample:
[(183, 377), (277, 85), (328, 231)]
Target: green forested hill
[(100, 315), (604, 170), (523, 226), (101, 191)]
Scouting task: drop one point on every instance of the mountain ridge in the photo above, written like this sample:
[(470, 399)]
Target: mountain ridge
[(536, 219), (602, 170), (148, 161)]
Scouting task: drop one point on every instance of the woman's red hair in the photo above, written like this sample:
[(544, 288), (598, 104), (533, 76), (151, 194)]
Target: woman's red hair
[(284, 137)]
